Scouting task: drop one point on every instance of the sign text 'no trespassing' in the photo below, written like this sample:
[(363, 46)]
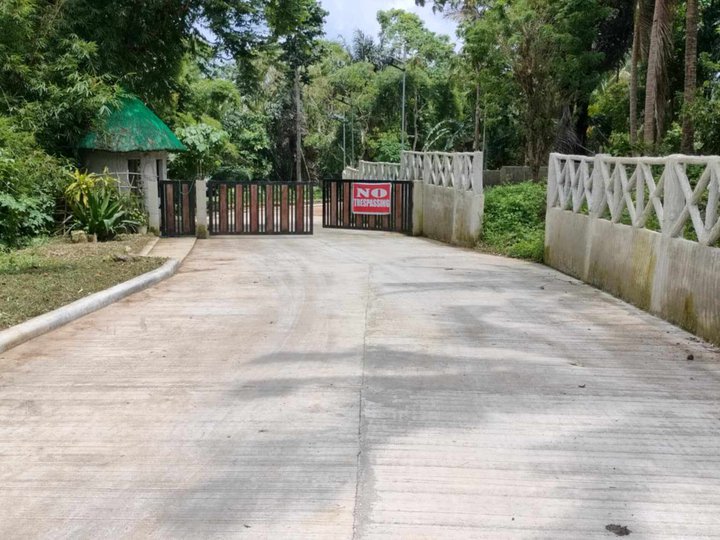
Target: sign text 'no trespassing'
[(371, 198)]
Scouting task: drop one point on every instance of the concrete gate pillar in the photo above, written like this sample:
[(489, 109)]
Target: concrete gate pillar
[(201, 212), (152, 204)]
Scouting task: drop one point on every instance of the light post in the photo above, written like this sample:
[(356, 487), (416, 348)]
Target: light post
[(392, 63), (342, 119), (352, 126)]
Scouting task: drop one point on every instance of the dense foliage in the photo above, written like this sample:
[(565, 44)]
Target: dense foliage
[(528, 77), (514, 221)]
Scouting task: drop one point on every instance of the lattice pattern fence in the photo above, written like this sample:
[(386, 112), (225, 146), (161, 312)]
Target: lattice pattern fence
[(459, 170), (678, 195), (411, 166), (350, 173), (368, 170)]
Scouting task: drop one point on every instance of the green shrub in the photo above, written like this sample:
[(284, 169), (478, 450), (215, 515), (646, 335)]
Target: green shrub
[(514, 223), (30, 181), (22, 218), (102, 214)]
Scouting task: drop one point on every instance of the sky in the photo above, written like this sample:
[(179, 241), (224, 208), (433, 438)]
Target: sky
[(347, 15)]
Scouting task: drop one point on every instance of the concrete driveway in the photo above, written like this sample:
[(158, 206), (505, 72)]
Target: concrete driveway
[(364, 385)]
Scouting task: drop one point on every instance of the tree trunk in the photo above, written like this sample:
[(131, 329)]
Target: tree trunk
[(635, 60), (691, 44), (582, 123), (659, 37)]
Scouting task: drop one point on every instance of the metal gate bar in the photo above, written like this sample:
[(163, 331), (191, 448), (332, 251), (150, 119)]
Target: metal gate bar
[(260, 208), (337, 207), (177, 207)]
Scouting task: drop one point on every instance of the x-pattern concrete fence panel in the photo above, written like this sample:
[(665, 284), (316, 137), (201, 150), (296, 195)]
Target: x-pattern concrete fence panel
[(367, 170), (646, 229), (459, 170), (681, 192)]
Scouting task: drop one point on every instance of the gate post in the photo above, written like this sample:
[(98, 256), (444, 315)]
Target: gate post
[(152, 205), (418, 190), (201, 211), (420, 186)]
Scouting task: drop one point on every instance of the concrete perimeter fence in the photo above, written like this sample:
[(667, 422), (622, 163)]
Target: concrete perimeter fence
[(369, 170), (448, 200), (510, 174), (644, 229)]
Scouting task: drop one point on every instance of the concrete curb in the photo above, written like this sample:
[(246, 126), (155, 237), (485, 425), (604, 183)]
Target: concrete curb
[(149, 247), (46, 322)]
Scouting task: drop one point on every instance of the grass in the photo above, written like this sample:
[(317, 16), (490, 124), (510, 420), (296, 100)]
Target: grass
[(54, 272), (514, 222)]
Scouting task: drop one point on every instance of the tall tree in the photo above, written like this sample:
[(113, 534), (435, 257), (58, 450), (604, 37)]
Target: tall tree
[(691, 45), (297, 26), (642, 25), (660, 40)]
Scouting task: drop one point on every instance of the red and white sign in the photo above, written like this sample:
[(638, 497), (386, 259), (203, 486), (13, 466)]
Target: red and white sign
[(374, 199)]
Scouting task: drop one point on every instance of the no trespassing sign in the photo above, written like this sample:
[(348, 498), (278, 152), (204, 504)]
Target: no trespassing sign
[(372, 199)]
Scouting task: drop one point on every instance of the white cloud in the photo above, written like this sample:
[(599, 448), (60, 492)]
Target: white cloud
[(347, 15)]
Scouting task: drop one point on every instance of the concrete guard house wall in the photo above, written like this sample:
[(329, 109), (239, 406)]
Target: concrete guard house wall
[(116, 164), (660, 272)]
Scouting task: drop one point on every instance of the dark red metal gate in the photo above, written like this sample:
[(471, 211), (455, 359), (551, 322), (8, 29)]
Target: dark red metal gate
[(338, 212), (260, 207), (177, 207)]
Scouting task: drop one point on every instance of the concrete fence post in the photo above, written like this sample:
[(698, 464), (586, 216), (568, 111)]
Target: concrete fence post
[(420, 186), (152, 204), (674, 200), (201, 211), (457, 176), (418, 204), (476, 182)]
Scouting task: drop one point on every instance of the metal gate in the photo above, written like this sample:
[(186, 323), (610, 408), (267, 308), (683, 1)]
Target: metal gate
[(177, 207), (260, 207), (338, 211)]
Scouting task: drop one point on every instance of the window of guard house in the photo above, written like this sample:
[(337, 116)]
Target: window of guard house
[(134, 173)]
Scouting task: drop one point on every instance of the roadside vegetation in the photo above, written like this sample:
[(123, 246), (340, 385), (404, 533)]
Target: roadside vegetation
[(53, 272), (254, 87), (514, 222)]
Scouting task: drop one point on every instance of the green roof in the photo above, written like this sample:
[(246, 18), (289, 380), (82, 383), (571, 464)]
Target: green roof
[(132, 127)]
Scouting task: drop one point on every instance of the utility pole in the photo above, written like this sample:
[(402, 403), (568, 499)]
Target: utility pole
[(298, 127), (393, 63), (343, 119), (352, 133), (484, 150), (352, 137), (476, 141), (403, 127)]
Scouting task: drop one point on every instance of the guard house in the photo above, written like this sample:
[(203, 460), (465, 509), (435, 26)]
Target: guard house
[(132, 144)]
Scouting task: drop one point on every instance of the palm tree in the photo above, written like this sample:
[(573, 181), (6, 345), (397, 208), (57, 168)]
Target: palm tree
[(660, 40), (691, 44), (643, 12)]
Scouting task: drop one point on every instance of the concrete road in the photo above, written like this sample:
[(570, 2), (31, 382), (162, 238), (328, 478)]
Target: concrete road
[(360, 385)]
